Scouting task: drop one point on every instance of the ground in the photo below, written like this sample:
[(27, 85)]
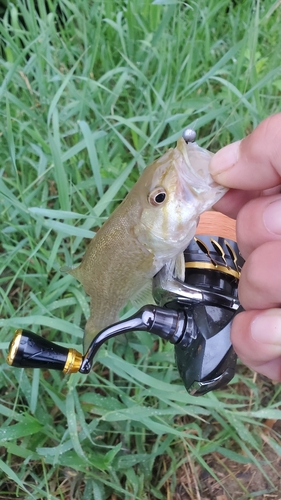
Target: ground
[(236, 481)]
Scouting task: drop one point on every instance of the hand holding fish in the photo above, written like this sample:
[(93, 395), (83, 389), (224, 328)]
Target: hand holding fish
[(251, 168), (151, 227)]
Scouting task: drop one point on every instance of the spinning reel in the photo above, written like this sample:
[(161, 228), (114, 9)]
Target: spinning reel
[(195, 315)]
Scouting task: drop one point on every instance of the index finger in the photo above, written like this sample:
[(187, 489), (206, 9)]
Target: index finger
[(253, 163)]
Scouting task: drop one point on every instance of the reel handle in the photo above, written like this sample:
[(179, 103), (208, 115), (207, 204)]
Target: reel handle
[(28, 350)]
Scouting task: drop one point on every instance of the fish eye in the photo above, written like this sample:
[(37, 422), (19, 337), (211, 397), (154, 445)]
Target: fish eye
[(157, 197)]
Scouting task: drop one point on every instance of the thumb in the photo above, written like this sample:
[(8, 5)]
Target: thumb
[(253, 163)]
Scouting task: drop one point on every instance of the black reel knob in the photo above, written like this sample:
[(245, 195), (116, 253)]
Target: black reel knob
[(28, 350)]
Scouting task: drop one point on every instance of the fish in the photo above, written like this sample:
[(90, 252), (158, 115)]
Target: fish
[(150, 228)]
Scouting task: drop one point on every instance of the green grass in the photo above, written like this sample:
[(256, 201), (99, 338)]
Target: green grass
[(87, 99)]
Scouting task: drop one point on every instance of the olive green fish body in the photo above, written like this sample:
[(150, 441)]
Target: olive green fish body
[(153, 225), (113, 253)]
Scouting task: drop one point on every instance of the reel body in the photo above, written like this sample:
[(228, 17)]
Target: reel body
[(209, 296)]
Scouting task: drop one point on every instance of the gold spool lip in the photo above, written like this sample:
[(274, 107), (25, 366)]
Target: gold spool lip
[(213, 267), (14, 345)]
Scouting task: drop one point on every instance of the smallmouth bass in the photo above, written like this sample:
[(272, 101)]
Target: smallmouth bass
[(151, 227)]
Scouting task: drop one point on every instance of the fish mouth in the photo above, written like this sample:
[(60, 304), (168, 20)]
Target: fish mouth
[(194, 171)]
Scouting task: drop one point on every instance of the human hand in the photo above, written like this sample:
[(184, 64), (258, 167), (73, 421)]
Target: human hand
[(251, 168)]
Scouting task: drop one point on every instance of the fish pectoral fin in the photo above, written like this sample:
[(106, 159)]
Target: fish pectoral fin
[(179, 267), (143, 296), (175, 268)]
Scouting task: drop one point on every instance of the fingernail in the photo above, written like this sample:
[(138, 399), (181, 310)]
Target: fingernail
[(272, 217), (225, 158), (266, 328)]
